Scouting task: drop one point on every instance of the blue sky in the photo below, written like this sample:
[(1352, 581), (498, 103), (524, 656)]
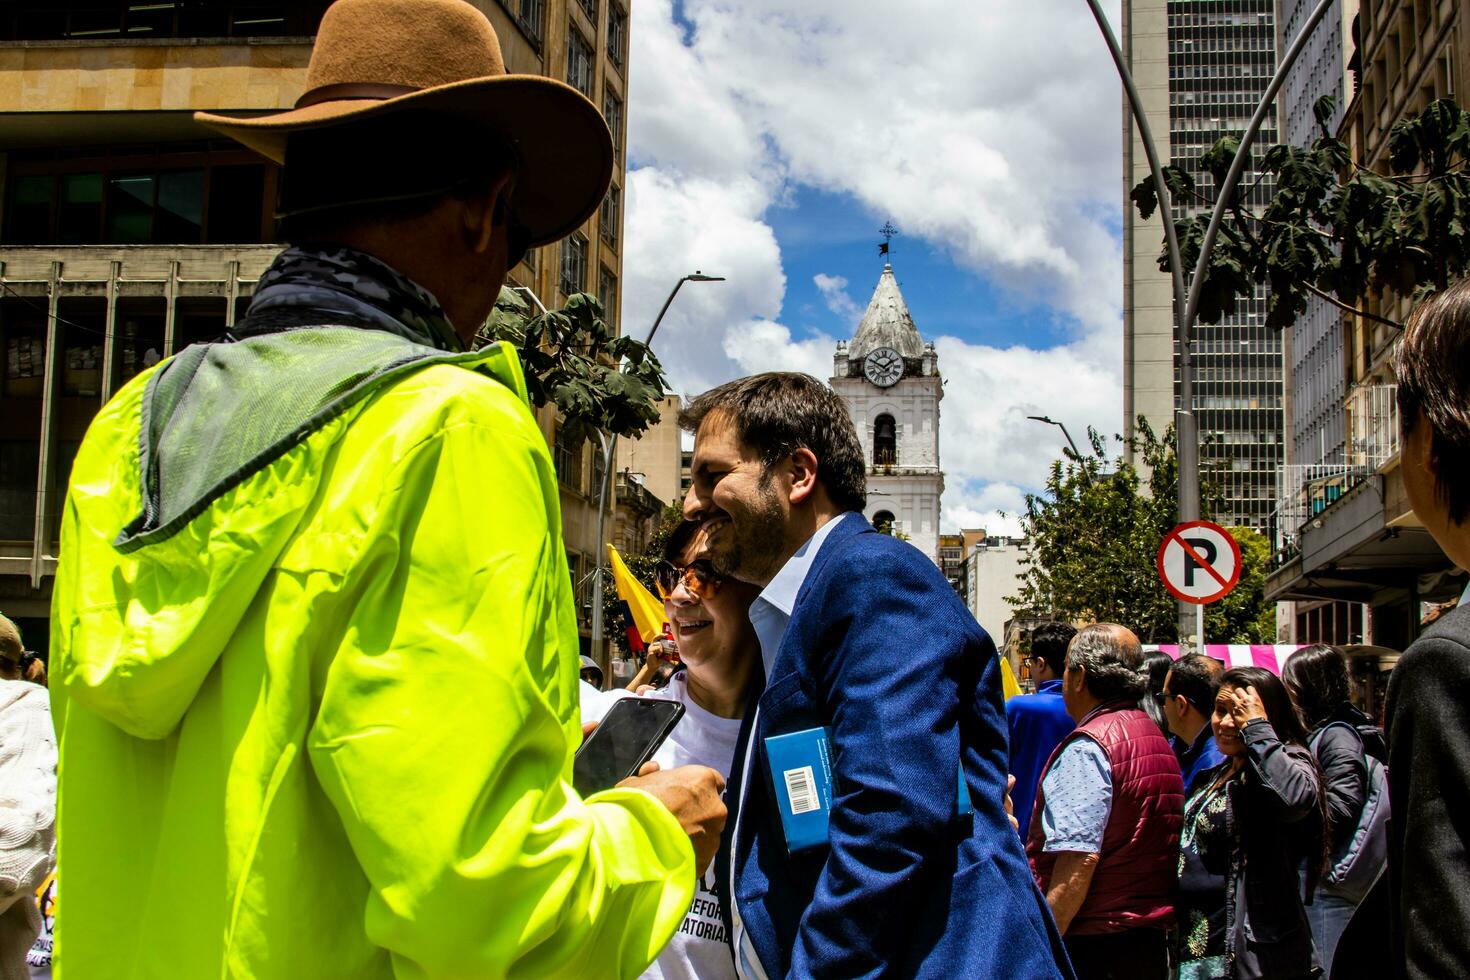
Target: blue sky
[(769, 142)]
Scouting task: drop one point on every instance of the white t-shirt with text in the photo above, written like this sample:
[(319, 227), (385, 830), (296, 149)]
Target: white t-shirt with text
[(700, 949)]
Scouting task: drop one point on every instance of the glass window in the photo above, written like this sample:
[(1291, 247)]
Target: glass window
[(529, 15), (28, 212), (607, 295), (579, 61), (130, 210), (20, 463), (617, 33), (574, 265), (179, 218), (236, 194), (589, 7), (567, 458), (611, 214), (612, 112), (139, 326), (80, 212)]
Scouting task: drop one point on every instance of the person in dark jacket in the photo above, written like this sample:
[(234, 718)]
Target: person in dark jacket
[(1316, 677), (1248, 825), (1428, 708), (1188, 701)]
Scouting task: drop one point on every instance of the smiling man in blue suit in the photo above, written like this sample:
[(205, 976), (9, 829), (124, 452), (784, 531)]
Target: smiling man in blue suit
[(860, 635)]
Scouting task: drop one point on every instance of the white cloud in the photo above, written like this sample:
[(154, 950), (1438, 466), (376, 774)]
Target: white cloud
[(991, 134), (834, 293)]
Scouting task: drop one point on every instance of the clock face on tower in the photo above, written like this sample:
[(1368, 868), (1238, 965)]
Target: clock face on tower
[(883, 367)]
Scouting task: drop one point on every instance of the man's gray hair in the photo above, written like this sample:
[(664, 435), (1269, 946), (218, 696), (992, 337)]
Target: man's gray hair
[(1111, 656)]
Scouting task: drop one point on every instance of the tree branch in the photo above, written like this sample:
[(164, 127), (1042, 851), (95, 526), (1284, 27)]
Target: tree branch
[(1351, 309)]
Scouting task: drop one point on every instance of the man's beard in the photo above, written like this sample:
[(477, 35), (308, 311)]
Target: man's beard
[(756, 541)]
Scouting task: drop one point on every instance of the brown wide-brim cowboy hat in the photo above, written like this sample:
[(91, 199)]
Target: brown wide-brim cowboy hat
[(441, 57)]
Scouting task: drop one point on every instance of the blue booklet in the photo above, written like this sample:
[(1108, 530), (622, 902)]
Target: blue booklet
[(801, 775)]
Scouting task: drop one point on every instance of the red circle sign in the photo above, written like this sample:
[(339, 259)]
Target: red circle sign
[(1199, 562)]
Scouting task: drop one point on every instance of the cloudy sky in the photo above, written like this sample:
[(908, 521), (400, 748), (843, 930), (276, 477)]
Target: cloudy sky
[(769, 141)]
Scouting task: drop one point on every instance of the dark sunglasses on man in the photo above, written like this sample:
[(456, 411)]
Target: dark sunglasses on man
[(698, 578)]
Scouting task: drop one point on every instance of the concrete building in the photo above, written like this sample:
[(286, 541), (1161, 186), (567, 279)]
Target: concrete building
[(1316, 344), (993, 569), (1346, 533), (658, 454), (952, 560), (1201, 68), (127, 232), (889, 378)]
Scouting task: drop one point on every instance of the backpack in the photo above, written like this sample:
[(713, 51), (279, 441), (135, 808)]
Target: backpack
[(1353, 872)]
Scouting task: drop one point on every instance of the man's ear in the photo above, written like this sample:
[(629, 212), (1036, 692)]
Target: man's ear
[(486, 211), (803, 463)]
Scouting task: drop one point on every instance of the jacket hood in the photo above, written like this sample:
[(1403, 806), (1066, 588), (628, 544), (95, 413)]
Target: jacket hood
[(186, 491)]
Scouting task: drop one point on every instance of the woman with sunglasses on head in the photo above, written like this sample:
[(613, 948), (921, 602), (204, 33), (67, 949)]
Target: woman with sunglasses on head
[(1249, 824), (709, 618)]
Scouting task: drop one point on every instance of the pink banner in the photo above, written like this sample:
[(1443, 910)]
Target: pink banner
[(1269, 656)]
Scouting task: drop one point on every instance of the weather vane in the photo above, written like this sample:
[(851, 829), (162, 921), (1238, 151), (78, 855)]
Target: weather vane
[(887, 231)]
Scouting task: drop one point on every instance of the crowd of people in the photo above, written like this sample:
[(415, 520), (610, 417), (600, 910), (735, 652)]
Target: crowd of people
[(316, 690)]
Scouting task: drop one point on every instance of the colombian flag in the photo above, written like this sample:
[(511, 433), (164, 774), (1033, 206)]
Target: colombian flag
[(647, 610)]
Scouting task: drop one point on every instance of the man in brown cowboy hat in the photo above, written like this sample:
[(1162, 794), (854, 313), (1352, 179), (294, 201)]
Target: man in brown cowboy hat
[(315, 655)]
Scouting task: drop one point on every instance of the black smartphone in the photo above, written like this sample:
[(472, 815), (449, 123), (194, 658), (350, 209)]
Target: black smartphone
[(627, 737)]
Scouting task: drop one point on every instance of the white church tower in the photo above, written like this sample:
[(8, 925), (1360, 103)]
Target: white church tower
[(889, 378)]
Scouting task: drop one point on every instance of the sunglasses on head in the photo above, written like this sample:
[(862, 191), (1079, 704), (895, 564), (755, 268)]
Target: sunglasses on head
[(698, 578)]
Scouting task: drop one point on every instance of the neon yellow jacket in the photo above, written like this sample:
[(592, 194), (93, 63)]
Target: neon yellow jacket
[(326, 728)]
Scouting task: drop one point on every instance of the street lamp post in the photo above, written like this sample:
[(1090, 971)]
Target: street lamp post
[(608, 445), (1051, 421), (1186, 300)]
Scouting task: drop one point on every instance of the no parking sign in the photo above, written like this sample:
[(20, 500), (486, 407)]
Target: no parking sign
[(1199, 562)]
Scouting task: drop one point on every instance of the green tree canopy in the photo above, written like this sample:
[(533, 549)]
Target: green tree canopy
[(572, 359), (1333, 228), (1095, 534)]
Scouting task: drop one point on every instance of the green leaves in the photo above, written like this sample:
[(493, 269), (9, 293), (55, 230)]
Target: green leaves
[(1332, 224), (1095, 532), (573, 360)]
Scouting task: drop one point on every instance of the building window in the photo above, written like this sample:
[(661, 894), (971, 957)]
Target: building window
[(574, 265), (617, 34), (607, 295), (612, 112), (529, 15), (135, 200), (589, 7), (579, 61), (57, 20), (885, 441), (566, 456), (883, 522), (611, 214)]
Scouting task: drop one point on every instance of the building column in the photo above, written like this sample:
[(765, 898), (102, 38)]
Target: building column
[(109, 334), (41, 539), (232, 292), (170, 311)]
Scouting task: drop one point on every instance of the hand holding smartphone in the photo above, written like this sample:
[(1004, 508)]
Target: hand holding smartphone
[(627, 737)]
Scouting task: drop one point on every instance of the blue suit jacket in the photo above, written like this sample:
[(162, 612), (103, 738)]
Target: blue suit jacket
[(1038, 723), (880, 650)]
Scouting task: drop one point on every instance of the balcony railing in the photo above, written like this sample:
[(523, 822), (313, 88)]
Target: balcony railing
[(1373, 424)]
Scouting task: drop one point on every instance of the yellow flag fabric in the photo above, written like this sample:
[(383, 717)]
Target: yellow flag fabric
[(648, 611), (1009, 687)]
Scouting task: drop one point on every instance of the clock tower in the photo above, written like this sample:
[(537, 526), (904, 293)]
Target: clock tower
[(889, 378)]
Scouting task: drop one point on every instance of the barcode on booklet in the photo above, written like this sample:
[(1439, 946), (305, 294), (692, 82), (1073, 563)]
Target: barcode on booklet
[(801, 787)]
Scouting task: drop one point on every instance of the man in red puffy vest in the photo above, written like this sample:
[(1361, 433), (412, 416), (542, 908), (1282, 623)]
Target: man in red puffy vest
[(1104, 839)]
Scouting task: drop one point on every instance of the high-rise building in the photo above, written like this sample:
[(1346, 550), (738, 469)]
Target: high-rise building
[(128, 232), (1201, 67), (889, 378), (1346, 533)]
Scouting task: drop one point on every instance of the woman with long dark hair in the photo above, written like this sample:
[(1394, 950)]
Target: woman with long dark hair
[(1155, 668), (1249, 823), (1342, 738)]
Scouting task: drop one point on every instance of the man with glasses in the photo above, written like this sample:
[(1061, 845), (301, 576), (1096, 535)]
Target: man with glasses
[(1038, 722), (1188, 699)]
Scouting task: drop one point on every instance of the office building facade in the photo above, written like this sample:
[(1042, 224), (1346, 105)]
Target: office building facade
[(128, 232), (1202, 67)]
